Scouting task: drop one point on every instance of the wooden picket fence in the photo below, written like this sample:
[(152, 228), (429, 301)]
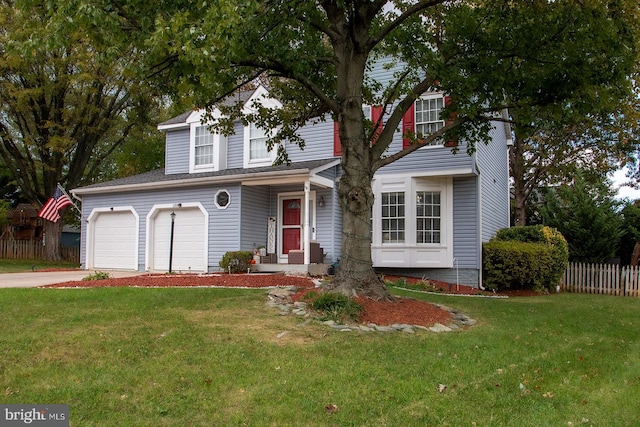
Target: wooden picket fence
[(31, 249), (606, 279)]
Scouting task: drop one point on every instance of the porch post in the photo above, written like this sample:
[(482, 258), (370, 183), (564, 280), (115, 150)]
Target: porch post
[(305, 227)]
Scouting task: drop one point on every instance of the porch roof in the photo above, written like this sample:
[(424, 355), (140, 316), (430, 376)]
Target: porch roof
[(267, 175)]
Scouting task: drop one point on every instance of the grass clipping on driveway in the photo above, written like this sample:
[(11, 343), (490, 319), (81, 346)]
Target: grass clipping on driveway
[(202, 357)]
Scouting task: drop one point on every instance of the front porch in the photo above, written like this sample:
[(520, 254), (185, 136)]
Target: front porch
[(295, 269)]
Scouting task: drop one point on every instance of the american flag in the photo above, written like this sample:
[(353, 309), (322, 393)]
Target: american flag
[(56, 202)]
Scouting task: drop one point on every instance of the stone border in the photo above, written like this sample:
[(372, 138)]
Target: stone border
[(280, 298)]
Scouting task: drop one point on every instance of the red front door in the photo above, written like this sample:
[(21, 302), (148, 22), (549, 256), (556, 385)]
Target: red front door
[(291, 225)]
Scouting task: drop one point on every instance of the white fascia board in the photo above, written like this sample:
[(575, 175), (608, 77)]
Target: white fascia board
[(174, 126), (260, 96)]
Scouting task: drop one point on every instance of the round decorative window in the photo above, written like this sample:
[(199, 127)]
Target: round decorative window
[(222, 199)]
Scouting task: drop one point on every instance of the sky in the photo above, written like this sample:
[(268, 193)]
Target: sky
[(624, 192)]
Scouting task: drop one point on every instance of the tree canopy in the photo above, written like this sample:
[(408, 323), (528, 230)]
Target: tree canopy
[(586, 215), (71, 93), (486, 55)]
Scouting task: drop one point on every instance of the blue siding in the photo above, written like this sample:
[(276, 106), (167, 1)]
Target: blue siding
[(494, 183), (318, 142), (177, 151), (235, 147), (254, 217), (224, 224), (465, 222)]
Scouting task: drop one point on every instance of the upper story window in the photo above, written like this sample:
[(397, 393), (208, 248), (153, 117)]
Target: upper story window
[(203, 147), (423, 118), (207, 150), (257, 144), (428, 115), (256, 152)]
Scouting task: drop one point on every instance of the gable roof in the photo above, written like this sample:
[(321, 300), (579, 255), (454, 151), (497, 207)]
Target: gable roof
[(157, 179), (240, 97)]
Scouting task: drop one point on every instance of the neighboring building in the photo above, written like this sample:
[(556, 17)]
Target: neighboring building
[(24, 223), (432, 210)]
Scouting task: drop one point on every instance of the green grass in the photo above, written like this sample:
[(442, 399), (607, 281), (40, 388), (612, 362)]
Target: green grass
[(21, 265), (204, 357)]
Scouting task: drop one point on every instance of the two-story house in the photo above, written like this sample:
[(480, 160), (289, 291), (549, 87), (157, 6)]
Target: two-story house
[(217, 193)]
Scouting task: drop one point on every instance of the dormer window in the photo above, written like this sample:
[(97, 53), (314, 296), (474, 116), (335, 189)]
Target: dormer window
[(257, 144), (256, 152), (203, 155), (207, 150)]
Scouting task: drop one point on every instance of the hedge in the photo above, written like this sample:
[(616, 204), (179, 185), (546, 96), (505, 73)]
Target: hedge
[(532, 257)]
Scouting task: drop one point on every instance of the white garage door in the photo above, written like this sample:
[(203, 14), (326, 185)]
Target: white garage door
[(114, 241), (189, 236)]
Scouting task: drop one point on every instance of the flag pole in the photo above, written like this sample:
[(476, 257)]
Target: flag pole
[(70, 199)]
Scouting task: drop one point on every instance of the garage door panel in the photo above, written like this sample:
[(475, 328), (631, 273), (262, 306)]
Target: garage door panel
[(188, 240), (114, 241)]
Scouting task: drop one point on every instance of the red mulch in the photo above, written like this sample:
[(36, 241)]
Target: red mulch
[(191, 280), (402, 311)]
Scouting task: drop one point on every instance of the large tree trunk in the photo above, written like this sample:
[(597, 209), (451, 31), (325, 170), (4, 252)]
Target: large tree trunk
[(52, 234), (356, 275), (516, 169)]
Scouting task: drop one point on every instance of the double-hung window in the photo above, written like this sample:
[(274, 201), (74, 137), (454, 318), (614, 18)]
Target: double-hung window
[(257, 144), (203, 143), (393, 225), (428, 221), (427, 112)]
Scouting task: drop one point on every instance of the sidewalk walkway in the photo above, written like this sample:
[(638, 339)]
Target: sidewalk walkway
[(40, 278)]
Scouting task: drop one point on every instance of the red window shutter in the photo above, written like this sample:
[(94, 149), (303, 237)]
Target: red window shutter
[(447, 101), (408, 125), (376, 113), (337, 146)]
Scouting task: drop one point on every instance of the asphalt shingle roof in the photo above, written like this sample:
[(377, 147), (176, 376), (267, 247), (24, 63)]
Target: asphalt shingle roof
[(159, 176)]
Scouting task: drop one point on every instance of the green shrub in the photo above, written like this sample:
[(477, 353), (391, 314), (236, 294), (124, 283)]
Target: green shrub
[(236, 261), (98, 275), (533, 257), (334, 306)]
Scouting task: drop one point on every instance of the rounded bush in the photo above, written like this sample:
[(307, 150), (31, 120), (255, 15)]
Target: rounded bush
[(236, 261), (530, 257)]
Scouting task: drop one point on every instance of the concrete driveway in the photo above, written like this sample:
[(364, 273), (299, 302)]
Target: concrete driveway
[(37, 278)]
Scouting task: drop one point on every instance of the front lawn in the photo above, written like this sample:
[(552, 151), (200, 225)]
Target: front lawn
[(22, 265), (204, 357)]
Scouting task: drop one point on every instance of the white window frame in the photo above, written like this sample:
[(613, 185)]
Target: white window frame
[(393, 220), (430, 121), (411, 253), (218, 145), (259, 97), (431, 217), (203, 138)]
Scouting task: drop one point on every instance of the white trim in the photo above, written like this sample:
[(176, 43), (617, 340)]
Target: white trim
[(297, 175), (260, 97), (215, 199), (410, 253), (91, 222), (304, 236), (219, 149), (174, 206)]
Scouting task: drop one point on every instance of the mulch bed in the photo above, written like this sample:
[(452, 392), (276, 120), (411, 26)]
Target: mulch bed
[(400, 311)]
